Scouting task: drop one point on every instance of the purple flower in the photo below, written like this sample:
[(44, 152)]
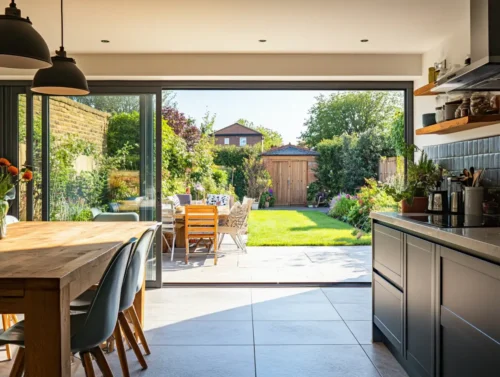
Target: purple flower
[(348, 196), (271, 191)]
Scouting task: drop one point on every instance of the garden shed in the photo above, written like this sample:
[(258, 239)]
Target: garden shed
[(292, 169)]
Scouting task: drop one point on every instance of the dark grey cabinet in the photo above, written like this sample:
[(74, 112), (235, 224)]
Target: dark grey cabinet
[(388, 253), (436, 308), (420, 305), (388, 311), (470, 316)]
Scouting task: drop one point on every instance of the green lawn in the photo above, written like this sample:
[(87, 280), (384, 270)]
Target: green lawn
[(300, 228)]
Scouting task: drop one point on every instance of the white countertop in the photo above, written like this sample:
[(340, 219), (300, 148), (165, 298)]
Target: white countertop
[(483, 242)]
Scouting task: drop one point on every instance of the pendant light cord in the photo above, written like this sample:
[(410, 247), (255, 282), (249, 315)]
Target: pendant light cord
[(62, 26)]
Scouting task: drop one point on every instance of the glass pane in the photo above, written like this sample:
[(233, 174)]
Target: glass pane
[(102, 158), (22, 153), (37, 158)]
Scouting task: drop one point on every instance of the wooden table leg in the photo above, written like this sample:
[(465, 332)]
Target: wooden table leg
[(47, 331), (139, 302)]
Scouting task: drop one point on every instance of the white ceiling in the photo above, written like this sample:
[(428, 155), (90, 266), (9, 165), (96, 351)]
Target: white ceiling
[(235, 26)]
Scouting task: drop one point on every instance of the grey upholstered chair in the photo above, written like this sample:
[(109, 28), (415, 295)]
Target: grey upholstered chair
[(123, 216), (134, 278), (184, 199), (88, 329)]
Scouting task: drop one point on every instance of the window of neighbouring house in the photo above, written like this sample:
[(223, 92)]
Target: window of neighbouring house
[(226, 141), (243, 141)]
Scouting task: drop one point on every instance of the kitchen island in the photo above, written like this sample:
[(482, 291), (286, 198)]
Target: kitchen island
[(436, 296)]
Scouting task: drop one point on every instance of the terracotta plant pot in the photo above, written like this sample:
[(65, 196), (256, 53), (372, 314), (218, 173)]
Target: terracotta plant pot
[(419, 205)]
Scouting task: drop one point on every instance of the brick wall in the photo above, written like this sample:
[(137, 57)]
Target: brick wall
[(235, 140), (68, 117)]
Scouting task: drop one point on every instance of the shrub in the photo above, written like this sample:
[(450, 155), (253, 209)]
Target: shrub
[(269, 197), (342, 205)]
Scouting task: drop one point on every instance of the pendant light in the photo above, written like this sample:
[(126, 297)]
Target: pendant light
[(64, 78), (21, 46)]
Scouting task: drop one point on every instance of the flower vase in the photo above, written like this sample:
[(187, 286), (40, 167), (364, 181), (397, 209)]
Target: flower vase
[(4, 208)]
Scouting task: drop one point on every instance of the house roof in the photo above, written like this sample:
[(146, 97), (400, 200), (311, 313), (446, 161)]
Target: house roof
[(290, 150), (237, 129)]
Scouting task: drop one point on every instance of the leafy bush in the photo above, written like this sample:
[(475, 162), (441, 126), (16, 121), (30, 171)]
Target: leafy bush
[(257, 177), (341, 206), (268, 197), (123, 129)]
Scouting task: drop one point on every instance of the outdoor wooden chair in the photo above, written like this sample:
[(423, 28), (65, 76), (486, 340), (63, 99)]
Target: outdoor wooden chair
[(201, 222), (168, 224), (8, 320), (235, 226)]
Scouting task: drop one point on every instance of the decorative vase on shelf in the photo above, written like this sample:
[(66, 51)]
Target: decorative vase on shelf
[(4, 208)]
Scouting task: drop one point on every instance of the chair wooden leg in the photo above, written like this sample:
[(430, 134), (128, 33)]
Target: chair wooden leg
[(215, 249), (6, 325), (186, 258), (18, 367), (221, 237), (101, 362), (87, 364), (138, 329), (173, 247), (13, 319), (120, 348), (130, 335)]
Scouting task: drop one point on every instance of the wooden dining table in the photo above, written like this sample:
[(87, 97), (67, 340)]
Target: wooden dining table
[(43, 267)]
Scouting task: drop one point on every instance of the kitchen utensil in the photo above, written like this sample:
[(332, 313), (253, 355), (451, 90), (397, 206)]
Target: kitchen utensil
[(457, 202), (438, 201), (429, 119), (480, 177), (471, 176), (475, 179), (473, 200)]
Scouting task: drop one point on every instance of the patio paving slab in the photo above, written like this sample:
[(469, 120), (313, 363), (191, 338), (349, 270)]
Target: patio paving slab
[(301, 264)]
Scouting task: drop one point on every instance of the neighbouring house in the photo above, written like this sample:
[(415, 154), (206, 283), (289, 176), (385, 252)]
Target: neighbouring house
[(239, 135), (292, 170)]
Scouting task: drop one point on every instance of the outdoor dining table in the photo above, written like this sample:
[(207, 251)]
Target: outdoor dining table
[(43, 267)]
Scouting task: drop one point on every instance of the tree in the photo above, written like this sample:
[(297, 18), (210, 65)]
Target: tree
[(182, 125), (271, 138), (124, 129), (397, 133), (257, 177), (207, 123), (350, 112)]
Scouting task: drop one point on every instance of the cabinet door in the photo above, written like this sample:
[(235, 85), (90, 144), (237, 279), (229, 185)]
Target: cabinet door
[(420, 316), (470, 316), (388, 253)]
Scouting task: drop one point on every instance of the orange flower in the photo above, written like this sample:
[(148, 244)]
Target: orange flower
[(4, 162), (27, 175), (13, 170)]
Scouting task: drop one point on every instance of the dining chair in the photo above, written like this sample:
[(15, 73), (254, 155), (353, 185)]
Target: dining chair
[(133, 281), (8, 320), (201, 222), (235, 226), (168, 224), (88, 328), (247, 202), (120, 216)]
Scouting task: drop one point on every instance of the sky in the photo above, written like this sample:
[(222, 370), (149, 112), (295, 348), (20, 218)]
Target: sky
[(284, 111)]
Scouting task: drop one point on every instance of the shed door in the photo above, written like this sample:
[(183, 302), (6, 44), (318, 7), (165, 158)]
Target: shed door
[(298, 182), (280, 175)]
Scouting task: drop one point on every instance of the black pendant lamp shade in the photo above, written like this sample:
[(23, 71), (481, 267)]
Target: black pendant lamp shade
[(64, 78), (20, 44)]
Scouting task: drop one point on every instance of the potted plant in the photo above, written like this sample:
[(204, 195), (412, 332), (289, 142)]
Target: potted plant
[(257, 178), (412, 191), (10, 177)]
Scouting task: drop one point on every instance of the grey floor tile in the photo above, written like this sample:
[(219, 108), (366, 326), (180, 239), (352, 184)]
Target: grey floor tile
[(301, 295), (349, 295), (280, 309), (302, 332), (354, 312), (362, 330), (174, 304), (201, 333), (384, 361), (313, 361), (192, 361)]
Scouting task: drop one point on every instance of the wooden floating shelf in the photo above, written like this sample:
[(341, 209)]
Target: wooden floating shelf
[(425, 90), (460, 124)]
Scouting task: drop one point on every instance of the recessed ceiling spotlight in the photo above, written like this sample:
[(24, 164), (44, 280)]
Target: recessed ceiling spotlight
[(262, 40), (104, 41), (365, 40)]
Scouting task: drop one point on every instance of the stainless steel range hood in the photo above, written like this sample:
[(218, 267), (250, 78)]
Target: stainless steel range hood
[(484, 71)]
